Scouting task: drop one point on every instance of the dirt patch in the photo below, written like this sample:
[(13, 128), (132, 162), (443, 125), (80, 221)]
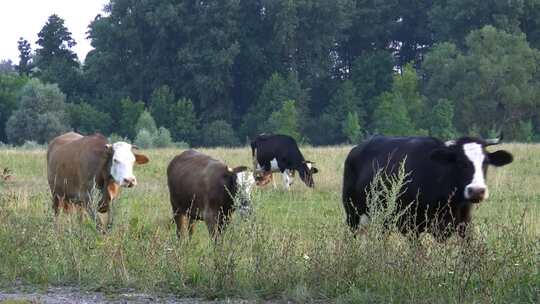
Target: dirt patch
[(73, 295)]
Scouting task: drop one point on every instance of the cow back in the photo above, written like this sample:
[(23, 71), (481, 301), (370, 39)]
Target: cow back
[(198, 183), (76, 163), (282, 147), (427, 180)]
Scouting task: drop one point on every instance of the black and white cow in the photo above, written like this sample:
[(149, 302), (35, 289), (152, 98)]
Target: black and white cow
[(280, 153), (445, 179)]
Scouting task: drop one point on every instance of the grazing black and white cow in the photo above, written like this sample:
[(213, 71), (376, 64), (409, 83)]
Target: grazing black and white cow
[(280, 153), (445, 179)]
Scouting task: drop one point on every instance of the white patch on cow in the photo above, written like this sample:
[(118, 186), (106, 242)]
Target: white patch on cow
[(273, 166), (364, 221), (309, 165), (287, 179), (475, 154), (122, 164)]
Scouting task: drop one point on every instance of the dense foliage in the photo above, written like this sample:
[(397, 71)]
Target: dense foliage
[(331, 71)]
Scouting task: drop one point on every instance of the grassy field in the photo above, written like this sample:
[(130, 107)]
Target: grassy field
[(294, 247)]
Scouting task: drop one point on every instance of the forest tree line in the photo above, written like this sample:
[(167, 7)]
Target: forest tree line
[(326, 72)]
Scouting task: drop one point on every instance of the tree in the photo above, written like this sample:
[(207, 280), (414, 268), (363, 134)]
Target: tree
[(86, 119), (285, 120), (406, 86), (275, 91), (146, 121), (391, 116), (185, 125), (41, 114), (144, 139), (343, 102), (219, 133), (372, 74), (442, 116), (351, 127), (25, 57), (130, 112), (163, 138), (6, 66), (453, 20), (493, 82), (56, 62), (10, 87), (162, 106)]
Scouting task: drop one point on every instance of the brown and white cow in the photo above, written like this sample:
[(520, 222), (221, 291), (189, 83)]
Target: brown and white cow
[(204, 188), (78, 164)]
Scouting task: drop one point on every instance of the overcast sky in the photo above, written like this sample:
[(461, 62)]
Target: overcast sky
[(25, 18)]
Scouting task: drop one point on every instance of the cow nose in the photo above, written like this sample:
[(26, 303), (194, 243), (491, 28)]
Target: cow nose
[(476, 193), (130, 181)]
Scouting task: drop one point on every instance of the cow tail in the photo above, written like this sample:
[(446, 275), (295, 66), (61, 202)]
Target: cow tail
[(254, 159), (349, 180), (253, 147), (349, 196)]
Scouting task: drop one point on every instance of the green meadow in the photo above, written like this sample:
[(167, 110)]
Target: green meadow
[(294, 247)]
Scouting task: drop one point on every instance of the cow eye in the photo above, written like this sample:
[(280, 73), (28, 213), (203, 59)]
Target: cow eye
[(115, 160)]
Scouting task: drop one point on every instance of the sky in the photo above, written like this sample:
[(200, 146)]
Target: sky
[(25, 18)]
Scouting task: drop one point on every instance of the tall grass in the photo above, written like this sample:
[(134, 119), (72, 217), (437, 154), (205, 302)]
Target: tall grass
[(295, 246)]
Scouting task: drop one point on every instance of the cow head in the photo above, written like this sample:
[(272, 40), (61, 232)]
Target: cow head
[(469, 160), (243, 181), (306, 172), (122, 160)]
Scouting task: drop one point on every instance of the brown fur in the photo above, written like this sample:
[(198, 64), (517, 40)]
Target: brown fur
[(200, 189), (75, 164)]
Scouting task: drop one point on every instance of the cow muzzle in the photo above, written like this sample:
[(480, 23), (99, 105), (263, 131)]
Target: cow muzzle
[(476, 194), (129, 182)]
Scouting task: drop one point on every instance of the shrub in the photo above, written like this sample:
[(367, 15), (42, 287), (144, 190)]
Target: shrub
[(87, 120), (146, 121), (219, 133), (144, 139), (351, 127), (40, 116), (163, 138), (285, 120)]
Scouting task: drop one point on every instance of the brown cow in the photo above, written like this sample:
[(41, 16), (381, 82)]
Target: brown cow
[(77, 164), (203, 188)]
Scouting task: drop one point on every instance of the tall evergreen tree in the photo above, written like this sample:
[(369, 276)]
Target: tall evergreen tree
[(25, 56), (56, 61)]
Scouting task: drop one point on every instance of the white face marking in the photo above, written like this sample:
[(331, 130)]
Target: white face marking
[(309, 165), (122, 164), (245, 181), (475, 154)]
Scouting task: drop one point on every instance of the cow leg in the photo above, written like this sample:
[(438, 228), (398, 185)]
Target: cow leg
[(287, 179), (216, 224), (56, 208), (182, 225)]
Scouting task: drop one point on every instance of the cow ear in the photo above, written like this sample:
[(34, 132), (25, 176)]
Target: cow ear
[(108, 150), (141, 159), (500, 158), (314, 170), (443, 155), (239, 169)]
